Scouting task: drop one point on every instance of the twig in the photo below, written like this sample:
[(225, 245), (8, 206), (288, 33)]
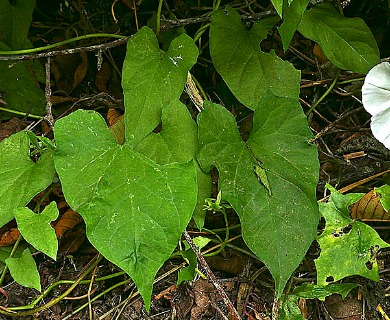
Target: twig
[(212, 277), (166, 24), (49, 115), (339, 119), (357, 184), (54, 301), (102, 46)]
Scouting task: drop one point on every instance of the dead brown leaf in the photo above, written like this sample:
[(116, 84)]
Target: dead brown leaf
[(67, 222), (9, 237)]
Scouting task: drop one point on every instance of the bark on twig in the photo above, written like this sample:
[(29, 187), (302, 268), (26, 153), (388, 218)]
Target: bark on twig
[(210, 274), (49, 115)]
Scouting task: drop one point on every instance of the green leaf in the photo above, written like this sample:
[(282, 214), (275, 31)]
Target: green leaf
[(384, 193), (287, 220), (15, 21), (24, 270), (289, 309), (6, 251), (135, 210), (152, 79), (177, 141), (18, 80), (153, 94), (21, 89), (279, 5), (248, 72), (187, 273), (347, 247), (204, 191), (292, 15), (29, 222), (313, 291), (347, 42), (21, 178)]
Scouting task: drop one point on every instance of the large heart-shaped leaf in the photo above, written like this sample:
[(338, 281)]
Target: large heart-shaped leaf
[(152, 79), (21, 178), (279, 227), (135, 205), (286, 217), (134, 209), (151, 96), (248, 72), (347, 42)]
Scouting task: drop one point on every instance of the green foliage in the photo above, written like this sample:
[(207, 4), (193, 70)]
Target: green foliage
[(249, 72), (384, 193), (291, 211), (347, 42), (24, 270), (153, 98), (188, 273), (348, 247), (135, 209), (18, 79), (29, 222), (137, 196), (292, 15), (6, 251), (152, 80), (21, 178), (313, 291), (279, 140), (289, 309), (15, 21)]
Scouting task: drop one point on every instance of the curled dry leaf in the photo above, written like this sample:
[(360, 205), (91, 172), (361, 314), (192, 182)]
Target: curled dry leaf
[(317, 51), (67, 222), (116, 124), (9, 237), (369, 208)]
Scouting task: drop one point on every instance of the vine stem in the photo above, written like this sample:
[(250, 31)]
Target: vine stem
[(210, 274), (315, 104), (158, 24), (61, 43), (10, 256), (21, 113), (53, 302), (61, 282)]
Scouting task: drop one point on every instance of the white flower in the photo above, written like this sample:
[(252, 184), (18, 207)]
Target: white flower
[(376, 100)]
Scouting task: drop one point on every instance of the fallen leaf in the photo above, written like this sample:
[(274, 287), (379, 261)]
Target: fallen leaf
[(9, 237), (369, 208), (67, 222)]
